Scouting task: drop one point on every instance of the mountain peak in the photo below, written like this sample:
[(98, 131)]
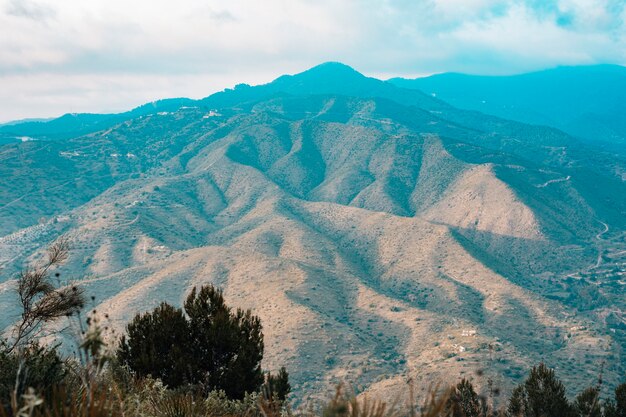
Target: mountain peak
[(332, 68), (326, 74)]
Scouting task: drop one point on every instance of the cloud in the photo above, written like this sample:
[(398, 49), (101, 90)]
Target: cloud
[(29, 9), (109, 41)]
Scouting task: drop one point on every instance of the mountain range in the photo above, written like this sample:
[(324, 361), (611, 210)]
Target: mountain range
[(585, 101), (381, 229)]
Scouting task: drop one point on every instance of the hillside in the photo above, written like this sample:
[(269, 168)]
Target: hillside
[(378, 232)]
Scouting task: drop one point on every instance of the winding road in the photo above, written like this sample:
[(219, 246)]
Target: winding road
[(599, 259), (545, 184)]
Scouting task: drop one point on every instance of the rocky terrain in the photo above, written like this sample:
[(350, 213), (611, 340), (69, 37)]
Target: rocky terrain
[(379, 232)]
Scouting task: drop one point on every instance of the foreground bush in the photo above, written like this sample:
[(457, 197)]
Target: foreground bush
[(158, 345), (226, 345), (116, 392), (30, 367)]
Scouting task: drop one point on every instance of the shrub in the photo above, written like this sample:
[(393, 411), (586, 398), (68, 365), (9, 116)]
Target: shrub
[(175, 404), (214, 347), (219, 405), (97, 401), (30, 367)]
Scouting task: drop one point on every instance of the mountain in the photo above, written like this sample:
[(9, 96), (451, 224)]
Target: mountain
[(587, 102), (379, 232)]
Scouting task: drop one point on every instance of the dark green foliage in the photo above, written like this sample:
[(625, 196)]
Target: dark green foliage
[(620, 400), (517, 402), (213, 346), (277, 387), (158, 344), (587, 403), (542, 394), (609, 409), (38, 367), (464, 402), (227, 346)]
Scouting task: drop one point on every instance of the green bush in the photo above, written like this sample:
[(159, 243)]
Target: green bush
[(213, 347), (616, 407), (30, 367), (277, 387), (157, 344), (227, 346)]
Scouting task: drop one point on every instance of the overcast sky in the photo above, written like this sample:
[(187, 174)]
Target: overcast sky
[(59, 56)]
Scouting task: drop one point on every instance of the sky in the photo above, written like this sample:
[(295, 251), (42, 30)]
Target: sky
[(67, 56)]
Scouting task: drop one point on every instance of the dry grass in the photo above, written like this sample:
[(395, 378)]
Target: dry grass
[(151, 399)]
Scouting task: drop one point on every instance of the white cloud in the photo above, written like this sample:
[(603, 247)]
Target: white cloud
[(520, 35), (80, 46)]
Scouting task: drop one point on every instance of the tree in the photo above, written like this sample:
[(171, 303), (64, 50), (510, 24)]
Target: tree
[(227, 345), (518, 402), (277, 387), (212, 345), (587, 403), (542, 394), (23, 362), (157, 344), (463, 401)]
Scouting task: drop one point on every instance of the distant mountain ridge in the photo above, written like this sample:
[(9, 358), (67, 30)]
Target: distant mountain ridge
[(372, 227), (585, 101)]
